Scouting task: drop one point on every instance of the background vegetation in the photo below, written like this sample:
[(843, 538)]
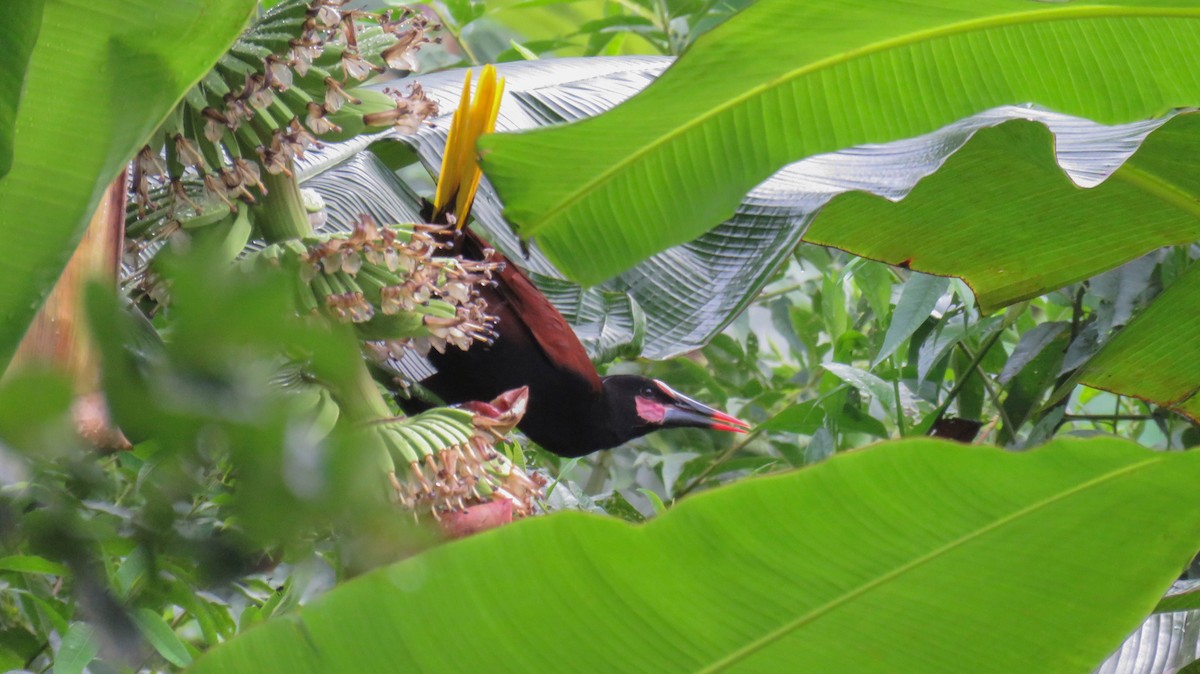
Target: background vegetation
[(998, 303)]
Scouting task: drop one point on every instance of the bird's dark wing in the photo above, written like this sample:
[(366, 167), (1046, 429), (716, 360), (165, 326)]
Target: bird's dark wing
[(546, 325)]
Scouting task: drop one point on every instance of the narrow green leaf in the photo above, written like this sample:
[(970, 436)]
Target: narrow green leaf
[(92, 96), (655, 501), (784, 80), (32, 564), (53, 612), (161, 637), (523, 50), (862, 380), (1032, 343), (1027, 390), (19, 27), (921, 293), (958, 540), (78, 648)]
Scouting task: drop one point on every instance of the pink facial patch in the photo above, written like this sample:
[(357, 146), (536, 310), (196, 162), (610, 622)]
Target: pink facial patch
[(650, 411)]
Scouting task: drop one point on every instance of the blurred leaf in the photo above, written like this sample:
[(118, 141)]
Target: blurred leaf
[(16, 647), (655, 501), (536, 21), (161, 637), (617, 24), (19, 28), (920, 294), (682, 7), (603, 194), (525, 52), (92, 97), (463, 12), (32, 564), (78, 648), (31, 401), (1157, 356), (975, 554), (820, 447), (833, 306)]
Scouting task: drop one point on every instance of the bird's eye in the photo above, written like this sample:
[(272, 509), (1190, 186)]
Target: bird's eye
[(647, 392)]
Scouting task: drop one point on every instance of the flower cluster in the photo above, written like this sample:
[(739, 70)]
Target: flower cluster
[(396, 270), (473, 472)]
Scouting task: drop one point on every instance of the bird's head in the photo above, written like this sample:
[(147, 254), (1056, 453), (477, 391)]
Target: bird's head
[(645, 405)]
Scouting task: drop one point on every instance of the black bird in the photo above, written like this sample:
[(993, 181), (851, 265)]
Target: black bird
[(571, 410)]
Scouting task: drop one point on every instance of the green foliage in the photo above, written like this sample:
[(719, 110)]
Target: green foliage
[(18, 32), (259, 473), (235, 471), (1156, 342), (788, 573), (513, 30), (965, 221), (602, 194), (91, 99)]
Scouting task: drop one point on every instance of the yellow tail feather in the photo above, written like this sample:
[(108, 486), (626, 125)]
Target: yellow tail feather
[(459, 178)]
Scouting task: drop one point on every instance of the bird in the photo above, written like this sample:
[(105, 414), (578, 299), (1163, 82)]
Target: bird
[(571, 410)]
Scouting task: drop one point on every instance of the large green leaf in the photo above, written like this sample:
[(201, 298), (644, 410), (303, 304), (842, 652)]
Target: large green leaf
[(785, 80), (691, 291), (1157, 356), (922, 545), (19, 26), (102, 76), (1033, 230), (688, 293)]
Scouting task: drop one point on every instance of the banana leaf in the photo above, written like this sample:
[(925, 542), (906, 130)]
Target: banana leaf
[(765, 576), (94, 91), (782, 81), (690, 292)]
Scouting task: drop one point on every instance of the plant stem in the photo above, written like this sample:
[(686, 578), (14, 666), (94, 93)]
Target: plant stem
[(455, 32), (962, 381), (724, 456), (280, 215), (765, 295), (1107, 417), (991, 388), (1076, 322), (599, 474), (360, 398)]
